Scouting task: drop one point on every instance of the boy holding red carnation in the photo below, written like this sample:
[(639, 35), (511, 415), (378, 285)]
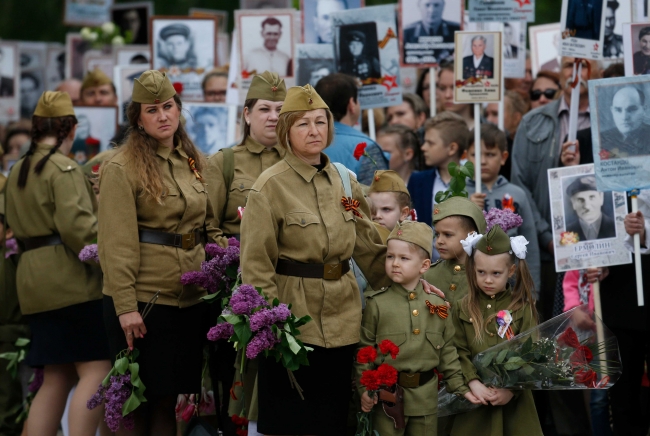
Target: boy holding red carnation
[(414, 329)]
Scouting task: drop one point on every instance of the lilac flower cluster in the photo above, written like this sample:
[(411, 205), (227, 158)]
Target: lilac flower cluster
[(36, 382), (244, 299), (263, 340), (213, 276), (114, 396), (505, 218), (12, 247), (268, 317), (89, 253), (223, 330)]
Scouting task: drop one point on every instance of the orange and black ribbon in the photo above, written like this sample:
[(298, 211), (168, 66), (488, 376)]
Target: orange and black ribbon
[(440, 310), (389, 34), (351, 204), (193, 168), (232, 390)]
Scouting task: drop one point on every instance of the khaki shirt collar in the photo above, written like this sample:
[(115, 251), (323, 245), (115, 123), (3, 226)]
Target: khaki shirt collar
[(305, 170), (44, 147), (499, 296), (256, 148), (164, 151), (402, 290)]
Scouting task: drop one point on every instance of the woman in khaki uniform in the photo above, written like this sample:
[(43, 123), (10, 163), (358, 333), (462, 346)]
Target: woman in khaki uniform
[(230, 176), (51, 209), (151, 218), (297, 239)]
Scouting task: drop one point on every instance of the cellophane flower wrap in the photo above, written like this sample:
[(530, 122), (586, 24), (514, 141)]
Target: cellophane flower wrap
[(121, 392), (383, 376), (574, 350)]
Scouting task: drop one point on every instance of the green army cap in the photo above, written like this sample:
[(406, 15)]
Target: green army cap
[(95, 78), (414, 232), (460, 206), (267, 86), (495, 242), (54, 104), (302, 98), (388, 181), (152, 87)]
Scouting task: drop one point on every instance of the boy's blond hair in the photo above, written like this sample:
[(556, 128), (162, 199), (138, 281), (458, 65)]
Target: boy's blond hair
[(451, 131)]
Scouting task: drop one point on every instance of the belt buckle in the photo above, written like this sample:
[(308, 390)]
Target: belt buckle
[(188, 241), (409, 380), (332, 271)]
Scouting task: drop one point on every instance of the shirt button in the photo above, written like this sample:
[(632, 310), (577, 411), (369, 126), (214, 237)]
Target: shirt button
[(69, 167), (416, 331), (412, 296), (452, 287), (438, 347), (489, 306), (457, 268), (302, 221), (493, 297), (241, 186), (491, 334), (471, 320), (415, 312)]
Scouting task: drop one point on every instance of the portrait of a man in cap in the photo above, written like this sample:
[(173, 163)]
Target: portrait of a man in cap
[(630, 134), (478, 64), (176, 47), (268, 56), (613, 43), (208, 128), (587, 217), (357, 57)]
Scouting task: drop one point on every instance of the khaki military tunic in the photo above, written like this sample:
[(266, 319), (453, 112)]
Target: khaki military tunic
[(450, 278), (250, 160), (135, 271), (58, 201), (294, 212), (424, 339), (517, 417)]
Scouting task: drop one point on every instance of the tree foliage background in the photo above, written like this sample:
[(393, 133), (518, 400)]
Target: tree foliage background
[(42, 20)]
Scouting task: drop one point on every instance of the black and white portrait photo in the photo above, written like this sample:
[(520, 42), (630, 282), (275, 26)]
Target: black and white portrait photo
[(210, 125), (313, 62), (8, 66), (188, 44), (123, 78), (131, 55), (317, 18), (95, 129), (133, 18), (266, 43), (545, 47), (511, 42), (479, 63), (55, 66), (32, 85), (358, 51), (75, 48), (587, 212), (613, 42)]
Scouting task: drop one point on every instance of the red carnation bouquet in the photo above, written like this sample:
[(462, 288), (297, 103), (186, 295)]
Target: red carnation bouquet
[(383, 376), (360, 150)]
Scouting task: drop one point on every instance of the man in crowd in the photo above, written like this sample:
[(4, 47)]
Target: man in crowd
[(268, 57), (591, 222), (72, 87), (97, 89), (630, 135), (479, 64), (215, 85), (323, 18)]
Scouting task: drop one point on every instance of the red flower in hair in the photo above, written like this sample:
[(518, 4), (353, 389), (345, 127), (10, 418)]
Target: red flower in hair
[(367, 355), (370, 380), (568, 339), (586, 377), (388, 347), (359, 150), (386, 375), (92, 141), (178, 86), (581, 356)]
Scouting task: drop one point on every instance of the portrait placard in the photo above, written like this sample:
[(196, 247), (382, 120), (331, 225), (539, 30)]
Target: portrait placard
[(427, 29), (134, 18), (96, 126), (75, 48), (640, 11), (366, 47), (33, 60), (86, 13), (211, 126), (514, 45), (54, 66), (9, 82), (123, 78), (506, 11), (132, 55), (617, 13), (477, 67), (583, 28), (223, 48), (104, 63), (317, 19), (185, 48), (588, 230), (620, 129), (313, 62), (545, 47), (221, 16)]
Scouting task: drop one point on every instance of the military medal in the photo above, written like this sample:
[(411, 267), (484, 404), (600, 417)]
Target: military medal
[(351, 204), (440, 309), (193, 168)]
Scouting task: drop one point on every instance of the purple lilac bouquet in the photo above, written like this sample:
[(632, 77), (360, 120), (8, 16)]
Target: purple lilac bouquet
[(253, 324), (121, 392), (12, 247), (89, 253), (505, 218), (219, 273)]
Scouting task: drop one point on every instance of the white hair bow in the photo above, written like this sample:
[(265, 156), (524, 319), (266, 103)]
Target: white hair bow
[(470, 242), (518, 246)]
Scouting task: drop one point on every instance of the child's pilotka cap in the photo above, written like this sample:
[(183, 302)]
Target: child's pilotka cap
[(496, 241), (388, 181), (54, 104), (414, 232), (95, 78), (460, 206)]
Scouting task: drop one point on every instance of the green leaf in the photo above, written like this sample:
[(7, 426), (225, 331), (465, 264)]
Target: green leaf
[(451, 167), (514, 363), (528, 345), (22, 342), (131, 404), (210, 297), (121, 365), (243, 332), (295, 348), (487, 358), (276, 303), (134, 369), (527, 369), (232, 319), (501, 356)]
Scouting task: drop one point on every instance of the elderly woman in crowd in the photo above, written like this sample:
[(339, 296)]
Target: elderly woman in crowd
[(297, 239), (152, 216)]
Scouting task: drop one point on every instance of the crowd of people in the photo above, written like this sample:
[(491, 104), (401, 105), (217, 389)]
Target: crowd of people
[(153, 201)]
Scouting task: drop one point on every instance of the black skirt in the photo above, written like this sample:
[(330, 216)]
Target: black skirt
[(327, 388), (171, 353), (67, 335)]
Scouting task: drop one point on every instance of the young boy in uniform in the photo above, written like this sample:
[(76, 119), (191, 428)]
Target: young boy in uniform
[(419, 325), (390, 200)]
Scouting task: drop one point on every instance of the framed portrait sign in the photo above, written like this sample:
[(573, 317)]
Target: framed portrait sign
[(636, 41), (513, 45), (185, 48), (96, 126), (639, 11), (477, 67), (104, 63), (426, 29), (617, 14), (54, 65), (211, 126), (132, 55), (221, 16), (9, 82), (583, 28), (620, 128), (313, 62), (134, 18), (75, 48), (588, 229), (545, 47), (366, 47), (317, 20), (123, 78), (86, 13), (506, 11)]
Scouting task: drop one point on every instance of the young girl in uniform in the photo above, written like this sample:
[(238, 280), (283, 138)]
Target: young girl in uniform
[(492, 259)]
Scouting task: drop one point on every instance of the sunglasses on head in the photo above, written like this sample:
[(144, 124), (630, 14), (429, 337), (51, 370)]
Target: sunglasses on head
[(548, 93)]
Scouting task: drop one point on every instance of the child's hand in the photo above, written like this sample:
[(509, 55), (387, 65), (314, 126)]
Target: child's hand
[(502, 397), (367, 402), (484, 394), (478, 199), (472, 398)]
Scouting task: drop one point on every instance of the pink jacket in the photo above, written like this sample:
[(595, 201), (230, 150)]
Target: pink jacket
[(571, 292)]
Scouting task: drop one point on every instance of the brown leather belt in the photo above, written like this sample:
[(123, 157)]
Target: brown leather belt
[(327, 271), (414, 380), (41, 241), (186, 241)]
